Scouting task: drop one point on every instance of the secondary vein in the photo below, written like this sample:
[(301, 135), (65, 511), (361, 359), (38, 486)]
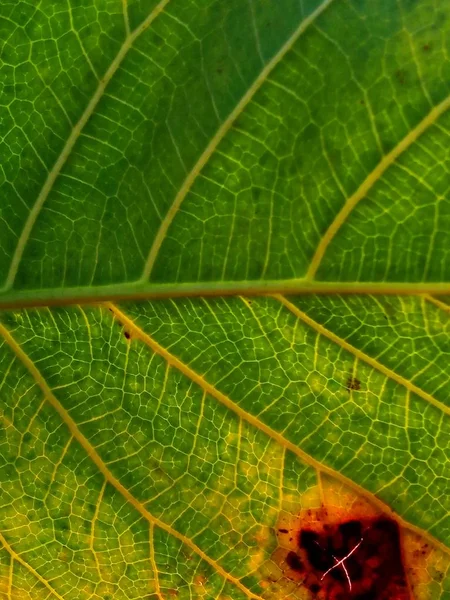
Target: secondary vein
[(370, 181), (175, 362), (71, 141), (223, 129), (362, 355), (107, 474)]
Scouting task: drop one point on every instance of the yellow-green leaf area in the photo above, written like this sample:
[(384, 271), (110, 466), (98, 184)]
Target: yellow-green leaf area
[(154, 443), (224, 293)]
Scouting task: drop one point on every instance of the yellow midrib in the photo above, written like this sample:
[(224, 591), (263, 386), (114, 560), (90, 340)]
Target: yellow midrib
[(109, 477), (175, 362), (135, 291)]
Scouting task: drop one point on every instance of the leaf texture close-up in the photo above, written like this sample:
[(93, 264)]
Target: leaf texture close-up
[(224, 299)]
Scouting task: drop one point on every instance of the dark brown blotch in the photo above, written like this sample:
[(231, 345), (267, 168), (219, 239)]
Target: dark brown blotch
[(294, 562), (353, 383)]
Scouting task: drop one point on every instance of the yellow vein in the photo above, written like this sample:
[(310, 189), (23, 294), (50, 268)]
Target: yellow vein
[(370, 180), (29, 568), (320, 486), (223, 129), (362, 355), (175, 362), (92, 534), (126, 18), (55, 469), (153, 563), (442, 305), (72, 139), (281, 485), (101, 466), (10, 577)]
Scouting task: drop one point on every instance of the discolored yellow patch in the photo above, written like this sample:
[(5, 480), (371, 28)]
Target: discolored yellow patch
[(324, 505)]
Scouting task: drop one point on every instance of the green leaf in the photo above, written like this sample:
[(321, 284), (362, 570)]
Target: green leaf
[(223, 147), (150, 449)]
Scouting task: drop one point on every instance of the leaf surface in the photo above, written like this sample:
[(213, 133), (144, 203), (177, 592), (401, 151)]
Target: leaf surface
[(167, 145), (149, 448)]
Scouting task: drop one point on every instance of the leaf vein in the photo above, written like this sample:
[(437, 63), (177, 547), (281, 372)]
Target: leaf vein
[(71, 141), (109, 477), (223, 129), (19, 559), (387, 161), (175, 362), (363, 356)]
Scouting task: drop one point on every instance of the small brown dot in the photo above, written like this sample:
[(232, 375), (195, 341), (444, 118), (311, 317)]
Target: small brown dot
[(127, 334), (353, 384), (283, 530), (294, 562), (401, 76)]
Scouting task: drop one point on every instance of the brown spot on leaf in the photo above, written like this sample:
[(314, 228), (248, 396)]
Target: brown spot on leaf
[(346, 548), (199, 580), (294, 562), (400, 75), (353, 384)]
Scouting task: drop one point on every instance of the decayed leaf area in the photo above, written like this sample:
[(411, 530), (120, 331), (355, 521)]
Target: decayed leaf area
[(139, 466)]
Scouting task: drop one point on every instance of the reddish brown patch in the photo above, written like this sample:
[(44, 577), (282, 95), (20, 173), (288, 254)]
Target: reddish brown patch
[(348, 549), (357, 559), (345, 554)]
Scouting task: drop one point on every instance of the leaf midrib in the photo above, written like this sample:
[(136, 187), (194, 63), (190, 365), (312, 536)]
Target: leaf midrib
[(138, 291)]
